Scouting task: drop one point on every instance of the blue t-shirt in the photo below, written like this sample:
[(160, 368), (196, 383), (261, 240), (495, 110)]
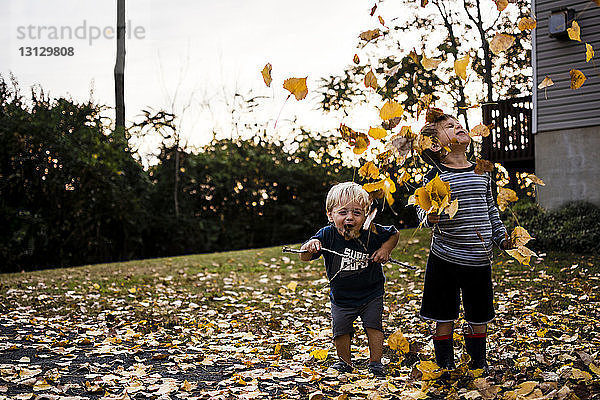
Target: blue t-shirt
[(358, 282)]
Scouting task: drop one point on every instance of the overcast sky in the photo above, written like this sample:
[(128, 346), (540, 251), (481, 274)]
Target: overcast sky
[(198, 52)]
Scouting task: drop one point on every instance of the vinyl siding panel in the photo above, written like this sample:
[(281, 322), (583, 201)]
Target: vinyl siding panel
[(560, 107)]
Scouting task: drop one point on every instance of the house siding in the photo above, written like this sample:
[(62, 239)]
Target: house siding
[(560, 107)]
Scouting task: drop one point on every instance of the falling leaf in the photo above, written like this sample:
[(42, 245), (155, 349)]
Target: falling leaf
[(397, 341), (423, 143), (373, 10), (577, 78), (292, 286), (424, 3), (386, 186), (356, 59), (501, 4), (522, 254), (370, 80), (370, 35), (482, 166), (381, 21), (589, 52), (452, 209), (266, 74), (430, 63), (527, 23), (391, 110), (369, 171), (480, 130), (574, 32), (403, 176), (297, 87), (535, 179), (501, 42), (319, 354), (377, 133), (424, 103), (391, 123), (414, 56), (361, 144), (506, 196), (547, 82), (520, 236), (460, 67), (434, 197), (430, 370), (348, 134), (400, 144)]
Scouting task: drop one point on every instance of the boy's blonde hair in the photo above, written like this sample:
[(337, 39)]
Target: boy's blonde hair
[(345, 193)]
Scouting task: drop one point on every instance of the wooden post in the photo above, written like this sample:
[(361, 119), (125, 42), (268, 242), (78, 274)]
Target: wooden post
[(120, 69)]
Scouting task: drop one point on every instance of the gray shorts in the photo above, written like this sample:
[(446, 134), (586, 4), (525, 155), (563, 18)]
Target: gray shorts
[(370, 314)]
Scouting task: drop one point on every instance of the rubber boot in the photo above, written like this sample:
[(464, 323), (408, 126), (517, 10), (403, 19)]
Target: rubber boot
[(443, 347), (475, 345)]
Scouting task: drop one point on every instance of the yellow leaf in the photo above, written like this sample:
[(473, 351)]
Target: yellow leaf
[(390, 110), (423, 143), (589, 52), (277, 349), (525, 388), (41, 385), (430, 370), (381, 21), (574, 32), (266, 74), (403, 176), (186, 386), (369, 170), (460, 67), (132, 290), (520, 236), (319, 354), (96, 286), (501, 42), (505, 196), (545, 83), (370, 35), (581, 375), (482, 166), (527, 23), (480, 130), (397, 341), (522, 254), (577, 78), (386, 186), (452, 209), (292, 285), (361, 144), (377, 133), (535, 179), (439, 192), (356, 59), (414, 56), (541, 332), (297, 87), (501, 4), (371, 80), (594, 368), (430, 63)]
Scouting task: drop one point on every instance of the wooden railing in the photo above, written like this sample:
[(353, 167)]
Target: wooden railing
[(510, 141)]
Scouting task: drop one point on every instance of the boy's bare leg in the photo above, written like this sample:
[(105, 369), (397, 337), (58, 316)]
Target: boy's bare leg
[(342, 346), (443, 328), (479, 328), (375, 337)]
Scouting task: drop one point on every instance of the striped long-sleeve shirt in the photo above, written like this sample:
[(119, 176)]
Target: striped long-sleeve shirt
[(466, 239)]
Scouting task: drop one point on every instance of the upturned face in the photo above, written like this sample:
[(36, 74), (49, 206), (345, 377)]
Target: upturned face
[(348, 219), (450, 133)]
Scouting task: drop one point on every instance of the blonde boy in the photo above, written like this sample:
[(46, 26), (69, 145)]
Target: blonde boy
[(356, 279)]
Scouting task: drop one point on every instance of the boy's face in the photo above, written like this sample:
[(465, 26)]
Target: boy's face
[(450, 131), (348, 219)]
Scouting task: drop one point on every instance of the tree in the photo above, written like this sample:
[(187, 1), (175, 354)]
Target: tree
[(119, 70)]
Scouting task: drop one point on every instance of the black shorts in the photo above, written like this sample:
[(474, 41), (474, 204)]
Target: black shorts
[(371, 315), (444, 283)]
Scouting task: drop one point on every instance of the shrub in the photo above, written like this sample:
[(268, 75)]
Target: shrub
[(574, 227)]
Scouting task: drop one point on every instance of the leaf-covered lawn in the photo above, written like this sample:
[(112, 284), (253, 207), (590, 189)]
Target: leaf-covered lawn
[(243, 324)]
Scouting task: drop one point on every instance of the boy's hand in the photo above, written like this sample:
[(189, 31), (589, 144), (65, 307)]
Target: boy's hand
[(506, 243), (312, 246), (381, 255), (433, 218)]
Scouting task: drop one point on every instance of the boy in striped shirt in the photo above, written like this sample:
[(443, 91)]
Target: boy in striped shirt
[(461, 248)]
